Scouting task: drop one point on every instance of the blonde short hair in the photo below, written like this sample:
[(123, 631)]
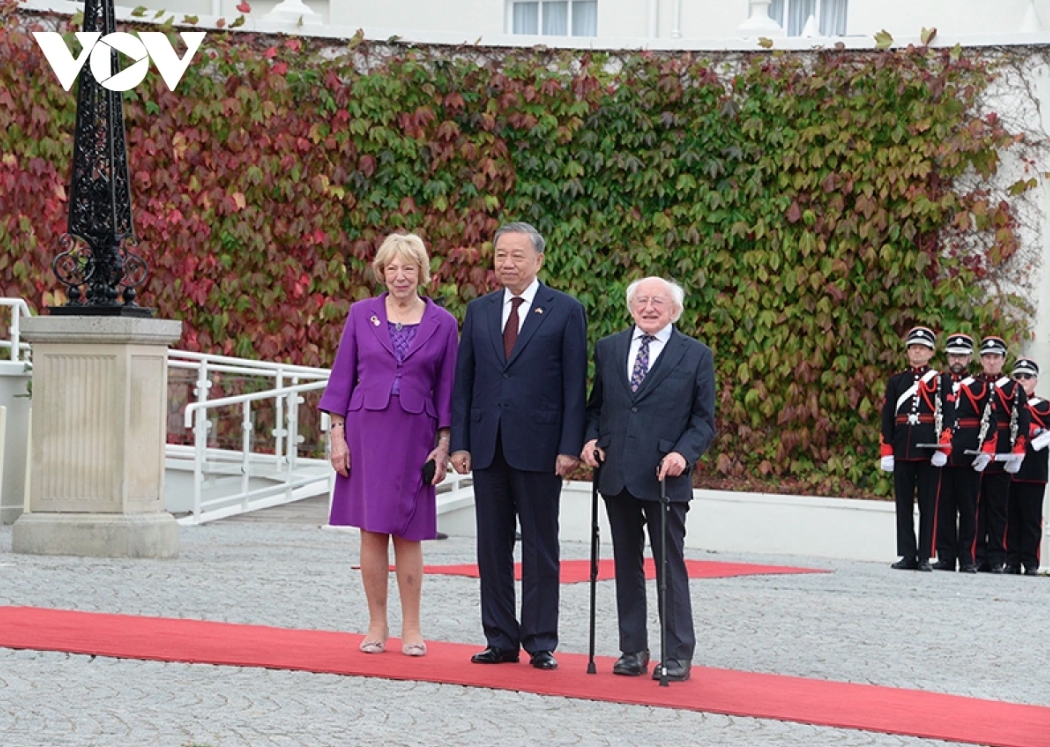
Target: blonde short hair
[(407, 246)]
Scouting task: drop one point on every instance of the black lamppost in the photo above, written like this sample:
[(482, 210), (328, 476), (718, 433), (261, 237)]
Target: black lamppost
[(97, 265)]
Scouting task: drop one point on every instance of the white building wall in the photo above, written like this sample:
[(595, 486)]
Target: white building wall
[(475, 17), (629, 19), (625, 19), (906, 18), (1039, 347)]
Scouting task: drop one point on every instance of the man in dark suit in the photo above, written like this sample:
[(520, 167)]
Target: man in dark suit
[(650, 416), (517, 422)]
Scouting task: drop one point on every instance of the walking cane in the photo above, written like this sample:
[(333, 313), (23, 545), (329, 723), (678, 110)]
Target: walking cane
[(594, 557), (664, 507)]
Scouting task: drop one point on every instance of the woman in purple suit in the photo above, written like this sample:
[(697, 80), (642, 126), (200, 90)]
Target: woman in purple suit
[(389, 398)]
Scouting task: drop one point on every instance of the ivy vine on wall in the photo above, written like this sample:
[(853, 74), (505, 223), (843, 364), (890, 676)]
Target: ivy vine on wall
[(811, 204)]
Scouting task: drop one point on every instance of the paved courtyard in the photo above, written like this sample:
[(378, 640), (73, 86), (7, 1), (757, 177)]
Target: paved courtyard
[(982, 636)]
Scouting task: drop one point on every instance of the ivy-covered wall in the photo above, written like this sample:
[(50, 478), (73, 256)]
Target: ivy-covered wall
[(810, 204)]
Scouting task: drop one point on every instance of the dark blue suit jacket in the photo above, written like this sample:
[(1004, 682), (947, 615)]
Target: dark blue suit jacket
[(537, 399), (673, 410)]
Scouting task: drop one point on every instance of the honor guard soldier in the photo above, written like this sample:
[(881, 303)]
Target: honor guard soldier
[(957, 494), (912, 418), (1029, 484), (1006, 434)]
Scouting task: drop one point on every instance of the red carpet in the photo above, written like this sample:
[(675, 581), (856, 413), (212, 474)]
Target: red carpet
[(575, 571), (838, 704)]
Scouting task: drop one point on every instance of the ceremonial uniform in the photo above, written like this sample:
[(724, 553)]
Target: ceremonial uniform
[(959, 484), (913, 417), (1006, 436), (1027, 487)]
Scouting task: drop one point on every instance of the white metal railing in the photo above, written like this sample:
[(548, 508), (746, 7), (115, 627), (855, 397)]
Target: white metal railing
[(281, 374), (17, 350), (288, 476), (282, 466)]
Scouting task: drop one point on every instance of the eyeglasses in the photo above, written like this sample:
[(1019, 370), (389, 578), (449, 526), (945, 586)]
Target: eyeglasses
[(1018, 377)]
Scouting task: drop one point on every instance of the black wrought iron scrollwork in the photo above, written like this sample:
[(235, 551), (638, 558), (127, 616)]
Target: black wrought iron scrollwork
[(99, 280), (97, 264)]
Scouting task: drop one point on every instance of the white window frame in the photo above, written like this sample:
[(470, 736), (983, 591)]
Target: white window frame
[(509, 15), (817, 13)]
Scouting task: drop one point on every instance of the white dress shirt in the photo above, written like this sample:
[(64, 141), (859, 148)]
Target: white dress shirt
[(655, 347), (527, 296)]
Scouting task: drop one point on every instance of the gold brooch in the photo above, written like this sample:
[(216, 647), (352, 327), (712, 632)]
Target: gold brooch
[(539, 311)]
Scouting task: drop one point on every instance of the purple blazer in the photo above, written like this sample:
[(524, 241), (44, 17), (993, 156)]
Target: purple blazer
[(365, 364)]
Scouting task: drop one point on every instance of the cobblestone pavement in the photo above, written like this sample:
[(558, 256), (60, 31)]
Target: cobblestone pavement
[(979, 636)]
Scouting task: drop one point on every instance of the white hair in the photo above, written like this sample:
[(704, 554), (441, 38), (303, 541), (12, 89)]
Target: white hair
[(677, 295)]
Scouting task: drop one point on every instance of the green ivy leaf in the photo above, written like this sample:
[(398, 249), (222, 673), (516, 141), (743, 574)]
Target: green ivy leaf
[(883, 40)]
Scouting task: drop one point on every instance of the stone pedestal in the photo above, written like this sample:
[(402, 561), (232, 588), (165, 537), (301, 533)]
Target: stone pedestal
[(14, 422), (98, 432)]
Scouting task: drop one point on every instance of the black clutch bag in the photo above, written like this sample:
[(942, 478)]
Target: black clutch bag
[(429, 470)]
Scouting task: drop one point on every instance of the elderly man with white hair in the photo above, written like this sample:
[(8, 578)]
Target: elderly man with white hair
[(650, 417)]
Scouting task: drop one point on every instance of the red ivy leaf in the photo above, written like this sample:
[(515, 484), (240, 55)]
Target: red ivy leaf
[(270, 53), (244, 8), (280, 68)]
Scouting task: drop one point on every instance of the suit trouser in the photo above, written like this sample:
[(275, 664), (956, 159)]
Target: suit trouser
[(957, 514), (503, 494), (1025, 524), (911, 478), (627, 519), (992, 518)]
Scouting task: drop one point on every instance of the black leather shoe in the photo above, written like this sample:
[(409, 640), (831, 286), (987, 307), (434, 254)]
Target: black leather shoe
[(493, 655), (677, 671), (633, 664), (996, 569), (905, 565), (1013, 570), (543, 660), (1031, 571), (968, 568), (923, 565), (943, 565)]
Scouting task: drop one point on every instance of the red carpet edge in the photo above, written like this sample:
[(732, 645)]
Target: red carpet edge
[(836, 704), (578, 571)]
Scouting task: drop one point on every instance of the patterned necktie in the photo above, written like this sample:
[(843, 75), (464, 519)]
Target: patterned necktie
[(641, 363), (510, 330)]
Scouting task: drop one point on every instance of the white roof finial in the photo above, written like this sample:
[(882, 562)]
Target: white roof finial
[(759, 23), (812, 28), (1031, 24)]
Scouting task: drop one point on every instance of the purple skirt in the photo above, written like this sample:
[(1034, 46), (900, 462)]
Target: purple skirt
[(385, 492)]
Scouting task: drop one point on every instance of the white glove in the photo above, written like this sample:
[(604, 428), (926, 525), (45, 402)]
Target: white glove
[(982, 461), (887, 464), (1040, 442), (939, 459), (1013, 465)]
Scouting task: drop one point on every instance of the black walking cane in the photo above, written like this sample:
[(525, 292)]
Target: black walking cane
[(594, 555), (664, 507)]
